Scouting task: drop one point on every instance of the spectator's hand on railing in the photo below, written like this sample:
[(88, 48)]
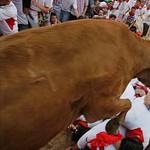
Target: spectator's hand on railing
[(51, 9), (26, 10)]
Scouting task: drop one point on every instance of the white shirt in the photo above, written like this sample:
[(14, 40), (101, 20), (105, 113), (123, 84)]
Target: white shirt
[(44, 3), (139, 116), (91, 134), (80, 5), (147, 18), (21, 18), (66, 5), (123, 7), (129, 18), (8, 19)]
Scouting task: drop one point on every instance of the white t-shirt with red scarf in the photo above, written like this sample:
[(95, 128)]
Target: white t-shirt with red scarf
[(130, 18), (8, 19)]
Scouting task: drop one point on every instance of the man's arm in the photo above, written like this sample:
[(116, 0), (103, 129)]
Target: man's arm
[(125, 21), (132, 24), (8, 12), (76, 13), (84, 11), (44, 9), (26, 6)]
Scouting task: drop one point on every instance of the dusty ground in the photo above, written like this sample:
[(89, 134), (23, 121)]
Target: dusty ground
[(60, 142)]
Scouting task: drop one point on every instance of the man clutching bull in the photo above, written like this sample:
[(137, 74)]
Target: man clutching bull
[(135, 129)]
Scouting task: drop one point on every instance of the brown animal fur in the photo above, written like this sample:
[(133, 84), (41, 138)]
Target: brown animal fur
[(51, 75)]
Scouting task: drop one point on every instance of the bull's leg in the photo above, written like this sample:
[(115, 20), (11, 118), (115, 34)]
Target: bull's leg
[(115, 123)]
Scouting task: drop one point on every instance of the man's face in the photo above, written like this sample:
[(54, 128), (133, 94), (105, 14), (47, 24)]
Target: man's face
[(133, 11), (138, 3), (4, 2), (143, 3), (113, 18), (100, 13), (53, 19), (110, 4), (141, 92)]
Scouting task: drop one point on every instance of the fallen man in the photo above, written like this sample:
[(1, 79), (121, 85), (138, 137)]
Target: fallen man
[(137, 122)]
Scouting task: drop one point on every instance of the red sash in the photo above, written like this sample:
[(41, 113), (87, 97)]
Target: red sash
[(142, 87), (82, 123), (103, 139), (135, 133)]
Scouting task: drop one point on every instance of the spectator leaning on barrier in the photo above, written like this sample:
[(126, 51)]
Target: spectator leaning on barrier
[(129, 18), (39, 5), (66, 8), (57, 8), (82, 6), (8, 17)]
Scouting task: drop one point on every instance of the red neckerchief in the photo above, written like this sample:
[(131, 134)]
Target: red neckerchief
[(142, 87), (135, 133), (82, 123), (137, 95), (103, 139), (131, 14), (136, 6), (148, 8)]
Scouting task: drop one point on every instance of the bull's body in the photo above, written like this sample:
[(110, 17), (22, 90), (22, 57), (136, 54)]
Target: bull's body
[(51, 75)]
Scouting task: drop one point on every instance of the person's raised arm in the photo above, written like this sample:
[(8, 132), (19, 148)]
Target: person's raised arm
[(44, 9)]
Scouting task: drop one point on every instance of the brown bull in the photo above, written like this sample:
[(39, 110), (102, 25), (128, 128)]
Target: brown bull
[(51, 75)]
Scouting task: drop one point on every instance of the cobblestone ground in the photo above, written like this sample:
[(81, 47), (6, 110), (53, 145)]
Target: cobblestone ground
[(60, 142)]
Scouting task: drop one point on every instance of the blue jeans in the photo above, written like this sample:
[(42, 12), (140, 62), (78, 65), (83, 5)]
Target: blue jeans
[(64, 16)]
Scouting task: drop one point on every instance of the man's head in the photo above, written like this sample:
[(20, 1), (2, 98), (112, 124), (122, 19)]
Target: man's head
[(131, 144), (133, 9), (112, 17), (138, 2), (4, 2), (110, 3), (53, 18), (143, 3), (100, 13)]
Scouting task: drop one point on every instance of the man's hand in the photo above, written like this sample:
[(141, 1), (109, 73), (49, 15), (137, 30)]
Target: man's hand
[(35, 3), (51, 9), (26, 10), (71, 127)]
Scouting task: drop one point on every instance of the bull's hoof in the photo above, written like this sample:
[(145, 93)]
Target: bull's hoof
[(112, 125)]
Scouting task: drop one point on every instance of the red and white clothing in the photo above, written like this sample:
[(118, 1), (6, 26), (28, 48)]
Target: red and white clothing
[(139, 116), (130, 18), (8, 19), (34, 10), (57, 8), (91, 134), (122, 8), (67, 4), (89, 125), (80, 5)]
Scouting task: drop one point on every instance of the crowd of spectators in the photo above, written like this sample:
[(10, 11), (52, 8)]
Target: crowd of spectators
[(17, 15)]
